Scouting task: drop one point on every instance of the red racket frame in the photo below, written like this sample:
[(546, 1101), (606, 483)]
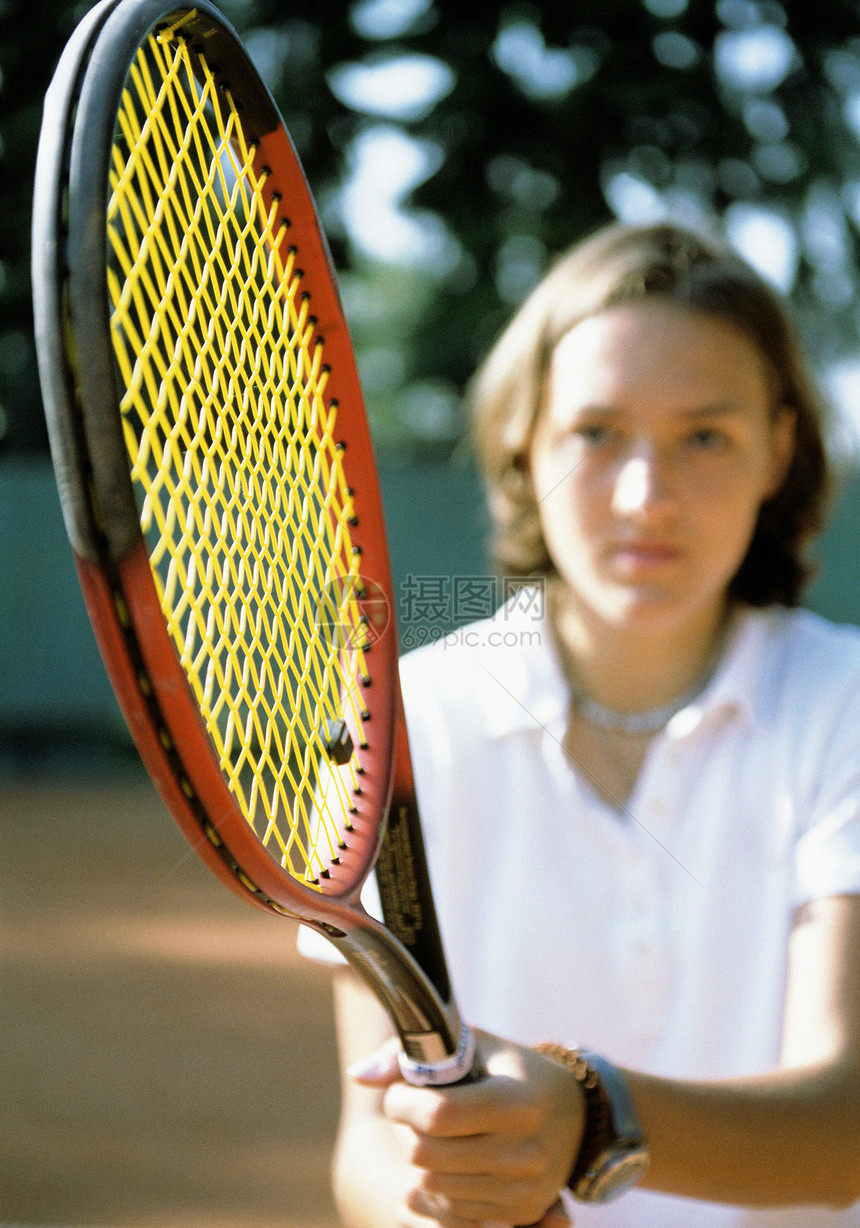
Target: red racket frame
[(72, 314)]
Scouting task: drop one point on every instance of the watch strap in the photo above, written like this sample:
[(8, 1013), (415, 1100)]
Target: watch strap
[(624, 1123)]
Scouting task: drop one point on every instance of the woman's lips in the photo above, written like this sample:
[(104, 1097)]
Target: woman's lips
[(645, 555)]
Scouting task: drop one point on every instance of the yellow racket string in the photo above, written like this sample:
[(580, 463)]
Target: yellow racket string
[(233, 453)]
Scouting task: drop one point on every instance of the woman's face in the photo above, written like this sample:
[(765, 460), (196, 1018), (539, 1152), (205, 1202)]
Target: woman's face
[(653, 452)]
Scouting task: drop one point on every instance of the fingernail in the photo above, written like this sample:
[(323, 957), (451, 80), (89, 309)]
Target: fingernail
[(372, 1067)]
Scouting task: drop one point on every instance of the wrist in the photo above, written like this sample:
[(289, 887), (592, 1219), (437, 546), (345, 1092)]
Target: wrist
[(613, 1154)]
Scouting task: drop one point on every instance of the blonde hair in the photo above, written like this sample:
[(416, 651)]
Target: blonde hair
[(623, 264)]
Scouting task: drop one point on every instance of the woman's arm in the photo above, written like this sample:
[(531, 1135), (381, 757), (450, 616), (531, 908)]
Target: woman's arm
[(369, 1172), (525, 1140), (788, 1137)]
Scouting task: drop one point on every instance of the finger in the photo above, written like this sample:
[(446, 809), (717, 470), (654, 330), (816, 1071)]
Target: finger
[(424, 1210), (411, 1219), (556, 1217), (438, 1209), (478, 1155), (492, 1106), (379, 1069), (477, 1199)]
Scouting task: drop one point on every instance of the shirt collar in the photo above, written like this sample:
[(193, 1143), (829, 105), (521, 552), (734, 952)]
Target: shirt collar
[(524, 685), (738, 686)]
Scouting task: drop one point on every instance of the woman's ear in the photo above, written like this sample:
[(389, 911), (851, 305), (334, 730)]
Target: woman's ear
[(783, 443)]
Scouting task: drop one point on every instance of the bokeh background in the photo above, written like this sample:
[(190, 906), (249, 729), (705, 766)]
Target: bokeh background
[(164, 1056)]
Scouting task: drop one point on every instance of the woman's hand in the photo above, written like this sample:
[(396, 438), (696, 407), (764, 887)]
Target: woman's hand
[(496, 1151)]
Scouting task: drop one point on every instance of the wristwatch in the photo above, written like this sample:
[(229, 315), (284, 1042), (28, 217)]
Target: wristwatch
[(613, 1154)]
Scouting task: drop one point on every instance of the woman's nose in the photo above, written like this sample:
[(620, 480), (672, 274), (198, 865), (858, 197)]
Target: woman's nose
[(643, 485)]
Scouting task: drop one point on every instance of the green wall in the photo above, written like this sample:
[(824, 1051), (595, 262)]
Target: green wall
[(53, 686)]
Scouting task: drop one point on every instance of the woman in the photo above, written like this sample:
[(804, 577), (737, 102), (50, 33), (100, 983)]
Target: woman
[(642, 810)]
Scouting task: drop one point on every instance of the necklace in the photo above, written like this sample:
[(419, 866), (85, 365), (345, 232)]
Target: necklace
[(654, 719), (651, 721)]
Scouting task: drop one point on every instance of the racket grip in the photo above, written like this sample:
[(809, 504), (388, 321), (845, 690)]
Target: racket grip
[(454, 1069)]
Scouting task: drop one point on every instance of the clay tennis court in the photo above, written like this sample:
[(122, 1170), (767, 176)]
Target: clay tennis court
[(165, 1057)]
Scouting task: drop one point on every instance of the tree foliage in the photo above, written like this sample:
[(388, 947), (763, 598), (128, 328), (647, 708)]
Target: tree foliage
[(537, 122)]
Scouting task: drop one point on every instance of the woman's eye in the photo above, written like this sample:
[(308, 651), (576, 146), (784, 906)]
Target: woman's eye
[(708, 439), (593, 434)]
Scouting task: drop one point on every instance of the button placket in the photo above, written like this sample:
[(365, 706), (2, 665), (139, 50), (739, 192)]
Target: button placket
[(643, 939)]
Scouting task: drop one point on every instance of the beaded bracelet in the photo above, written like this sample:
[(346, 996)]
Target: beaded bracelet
[(597, 1133)]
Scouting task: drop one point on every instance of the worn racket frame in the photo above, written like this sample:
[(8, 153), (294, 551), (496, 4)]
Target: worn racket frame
[(94, 358)]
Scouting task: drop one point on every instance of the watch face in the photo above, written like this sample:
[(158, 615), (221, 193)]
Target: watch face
[(612, 1174)]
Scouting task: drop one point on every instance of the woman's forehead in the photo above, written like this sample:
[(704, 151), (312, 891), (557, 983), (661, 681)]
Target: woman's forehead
[(635, 349)]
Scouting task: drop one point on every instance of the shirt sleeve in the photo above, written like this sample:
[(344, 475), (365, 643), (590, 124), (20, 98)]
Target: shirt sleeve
[(312, 945), (827, 854)]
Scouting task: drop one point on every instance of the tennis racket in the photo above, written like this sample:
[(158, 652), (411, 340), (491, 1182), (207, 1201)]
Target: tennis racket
[(220, 495)]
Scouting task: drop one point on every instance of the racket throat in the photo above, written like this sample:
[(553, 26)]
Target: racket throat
[(436, 1046)]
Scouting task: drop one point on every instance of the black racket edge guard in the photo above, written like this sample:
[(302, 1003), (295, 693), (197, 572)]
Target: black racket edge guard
[(49, 259), (98, 85)]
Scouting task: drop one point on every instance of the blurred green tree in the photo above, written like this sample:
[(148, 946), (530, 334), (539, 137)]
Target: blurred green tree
[(455, 149)]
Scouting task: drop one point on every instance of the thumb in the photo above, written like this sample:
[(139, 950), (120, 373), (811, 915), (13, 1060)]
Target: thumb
[(380, 1068), (555, 1217)]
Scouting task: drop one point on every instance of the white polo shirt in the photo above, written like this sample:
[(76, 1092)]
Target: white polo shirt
[(655, 933)]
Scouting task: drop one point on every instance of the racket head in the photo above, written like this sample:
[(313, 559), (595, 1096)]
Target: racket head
[(201, 395)]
